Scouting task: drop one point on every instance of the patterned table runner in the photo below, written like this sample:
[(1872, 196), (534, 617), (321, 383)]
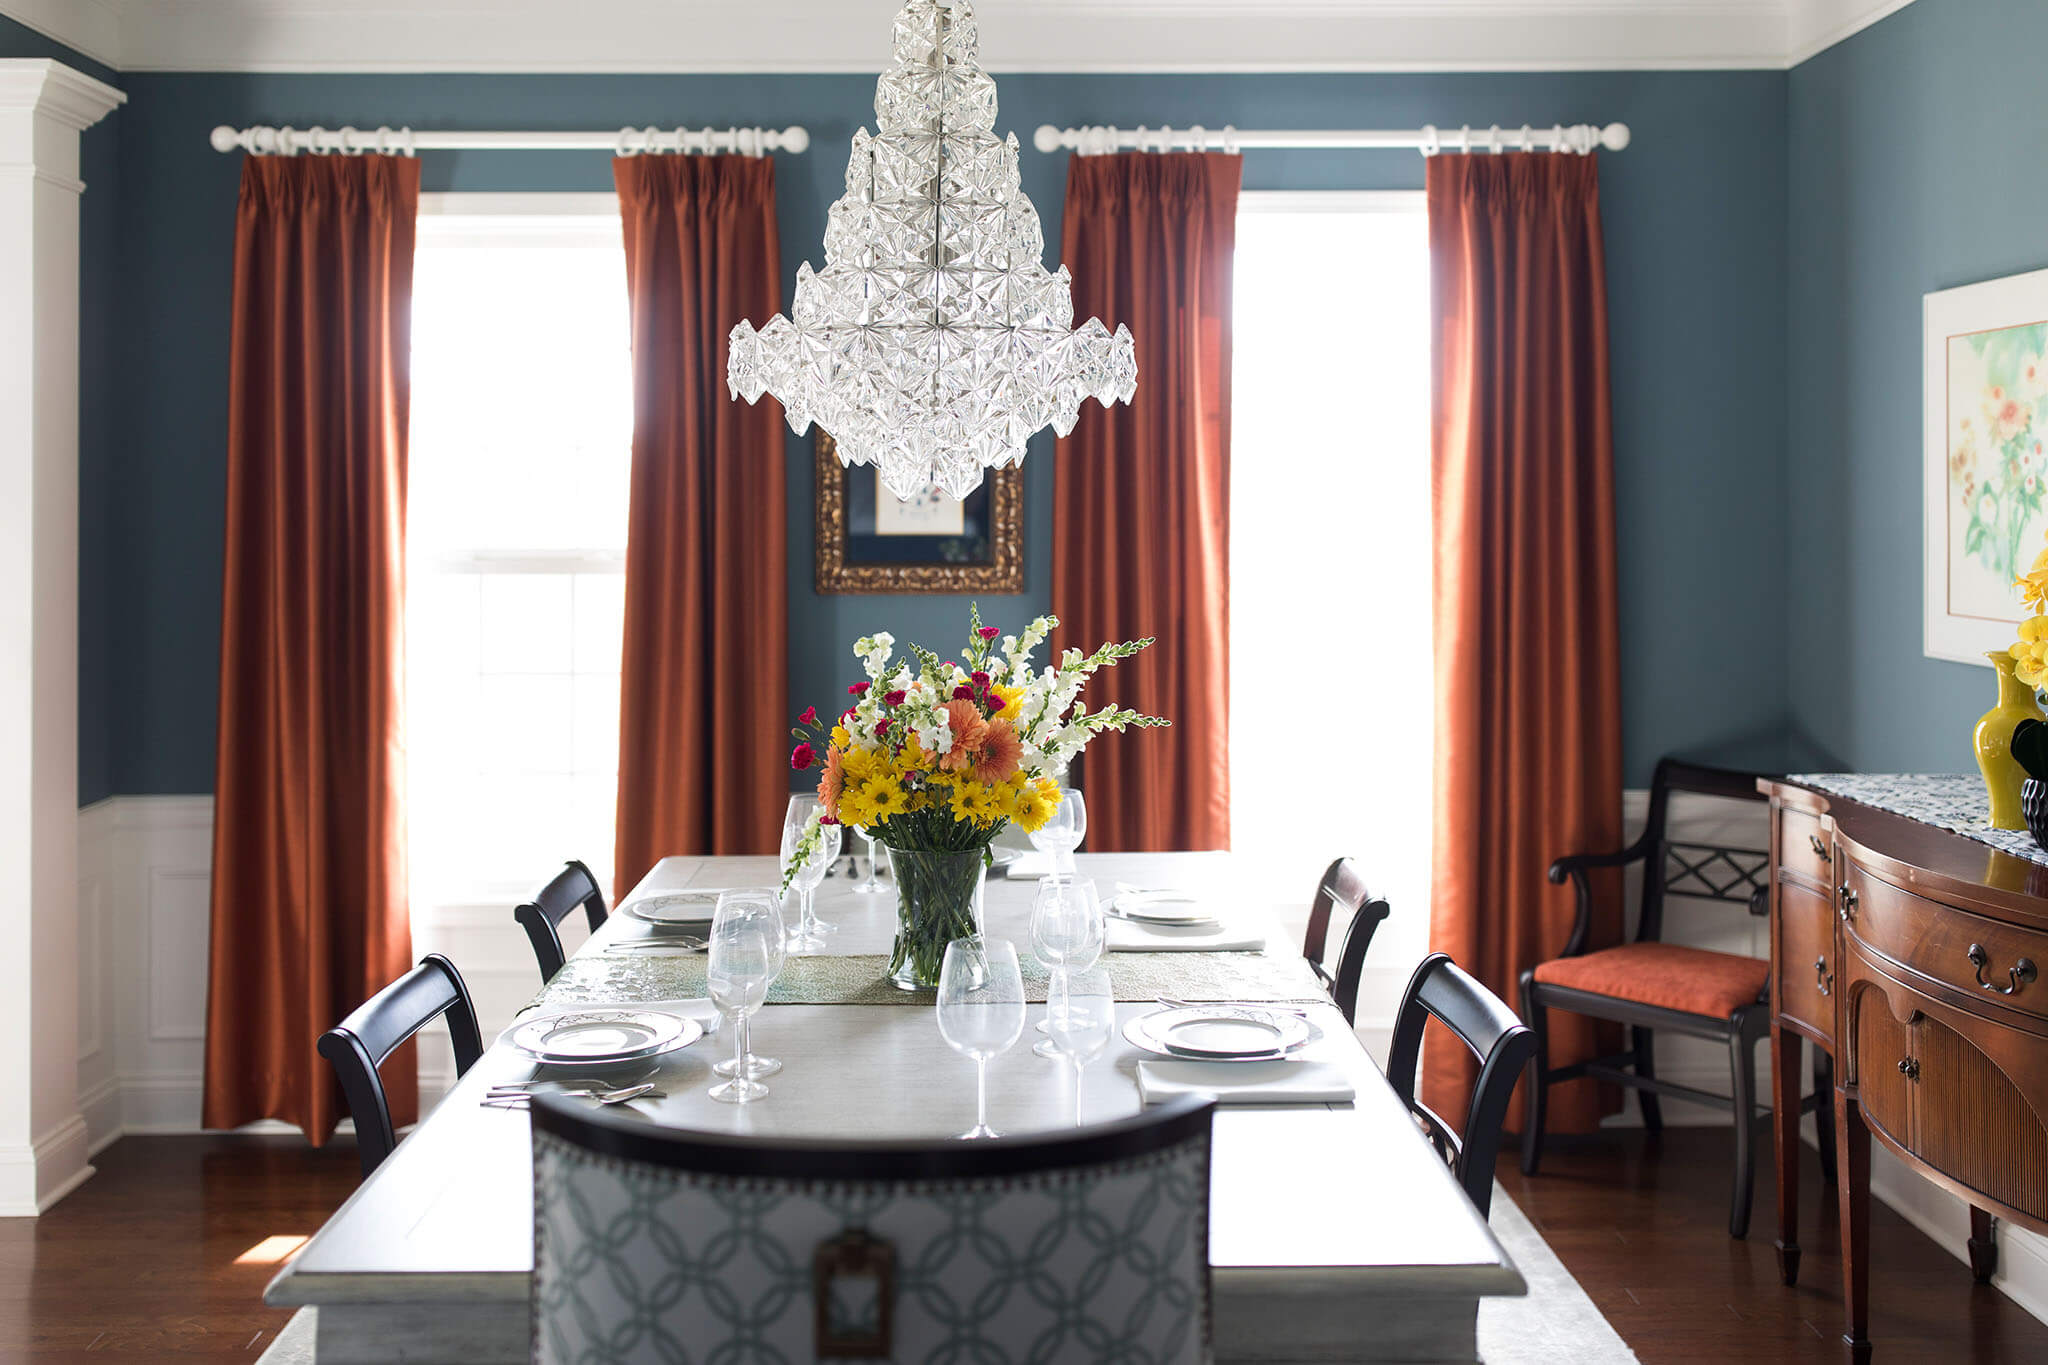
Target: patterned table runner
[(1952, 801), (597, 978)]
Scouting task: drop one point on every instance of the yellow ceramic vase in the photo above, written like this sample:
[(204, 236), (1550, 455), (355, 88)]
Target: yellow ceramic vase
[(2002, 772)]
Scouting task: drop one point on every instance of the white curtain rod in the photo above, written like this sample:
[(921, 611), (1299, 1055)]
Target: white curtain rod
[(1581, 138), (289, 141)]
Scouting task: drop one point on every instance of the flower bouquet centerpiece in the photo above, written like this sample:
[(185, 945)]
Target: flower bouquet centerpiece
[(935, 758)]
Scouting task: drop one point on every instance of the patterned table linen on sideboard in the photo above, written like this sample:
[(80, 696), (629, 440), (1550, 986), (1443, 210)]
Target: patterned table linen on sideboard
[(1952, 801)]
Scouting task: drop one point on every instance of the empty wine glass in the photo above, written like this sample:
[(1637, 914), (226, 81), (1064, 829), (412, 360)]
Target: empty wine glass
[(744, 953), (1060, 835), (872, 883), (808, 936), (749, 1064), (1067, 934), (1080, 1012), (981, 1010)]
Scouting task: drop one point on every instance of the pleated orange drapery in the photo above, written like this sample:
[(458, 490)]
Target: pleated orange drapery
[(1141, 504), (309, 861), (703, 714), (1528, 725)]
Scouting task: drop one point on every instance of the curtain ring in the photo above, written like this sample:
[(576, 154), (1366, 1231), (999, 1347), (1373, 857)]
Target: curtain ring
[(1229, 140), (411, 149), (1465, 139), (1528, 138), (284, 142), (1557, 138), (1198, 139), (317, 140), (1431, 143), (1493, 140)]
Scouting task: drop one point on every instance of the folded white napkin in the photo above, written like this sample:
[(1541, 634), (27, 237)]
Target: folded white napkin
[(1129, 936), (1276, 1082), (1031, 866)]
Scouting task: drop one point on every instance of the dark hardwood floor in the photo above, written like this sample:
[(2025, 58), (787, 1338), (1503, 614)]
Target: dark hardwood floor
[(1642, 1223), (140, 1264)]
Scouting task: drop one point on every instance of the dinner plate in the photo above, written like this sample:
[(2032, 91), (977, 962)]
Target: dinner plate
[(600, 1036), (1222, 1033), (675, 907), (1158, 908)]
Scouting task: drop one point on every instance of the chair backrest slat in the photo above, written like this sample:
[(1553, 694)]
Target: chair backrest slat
[(1695, 871), (571, 889), (1343, 889), (1444, 991), (358, 1045)]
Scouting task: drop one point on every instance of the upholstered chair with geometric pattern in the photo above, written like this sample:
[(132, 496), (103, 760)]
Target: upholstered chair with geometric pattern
[(659, 1244)]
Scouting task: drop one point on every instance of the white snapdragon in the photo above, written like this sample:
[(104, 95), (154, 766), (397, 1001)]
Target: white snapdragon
[(874, 651)]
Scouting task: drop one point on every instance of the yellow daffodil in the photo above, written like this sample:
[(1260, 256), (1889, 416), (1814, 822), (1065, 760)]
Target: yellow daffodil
[(2030, 652)]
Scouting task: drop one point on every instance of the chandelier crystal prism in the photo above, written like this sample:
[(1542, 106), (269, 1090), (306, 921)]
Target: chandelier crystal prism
[(934, 343)]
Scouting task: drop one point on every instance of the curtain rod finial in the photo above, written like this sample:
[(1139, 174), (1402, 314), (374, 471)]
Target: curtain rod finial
[(1614, 137), (796, 140), (224, 139), (1046, 139)]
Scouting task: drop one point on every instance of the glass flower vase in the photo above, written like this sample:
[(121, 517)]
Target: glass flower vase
[(938, 899)]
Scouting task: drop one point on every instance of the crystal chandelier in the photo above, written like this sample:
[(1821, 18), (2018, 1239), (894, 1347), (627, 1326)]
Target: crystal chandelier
[(933, 344)]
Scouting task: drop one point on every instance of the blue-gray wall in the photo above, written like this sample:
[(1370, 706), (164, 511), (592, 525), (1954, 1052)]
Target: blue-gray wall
[(1917, 161), (1695, 224)]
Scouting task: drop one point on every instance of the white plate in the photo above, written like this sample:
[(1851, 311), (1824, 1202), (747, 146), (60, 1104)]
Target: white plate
[(595, 1037), (1162, 910), (1222, 1033), (675, 907)]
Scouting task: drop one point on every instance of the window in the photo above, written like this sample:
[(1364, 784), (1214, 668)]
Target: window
[(1331, 686), (522, 422)]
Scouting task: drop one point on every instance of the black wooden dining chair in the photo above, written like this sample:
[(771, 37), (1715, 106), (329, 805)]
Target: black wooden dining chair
[(573, 888), (1653, 986), (1446, 992), (1342, 894), (656, 1244), (358, 1045)]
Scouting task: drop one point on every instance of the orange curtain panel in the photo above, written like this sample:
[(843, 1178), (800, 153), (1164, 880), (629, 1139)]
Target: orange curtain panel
[(703, 713), (309, 861), (1141, 503), (1528, 725)]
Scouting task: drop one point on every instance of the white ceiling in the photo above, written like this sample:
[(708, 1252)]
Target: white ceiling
[(1017, 35)]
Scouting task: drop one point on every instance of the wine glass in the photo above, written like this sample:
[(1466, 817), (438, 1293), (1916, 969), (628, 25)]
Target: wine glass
[(1068, 931), (1061, 834), (981, 1010), (872, 883), (808, 935), (1080, 1012), (768, 906), (743, 952)]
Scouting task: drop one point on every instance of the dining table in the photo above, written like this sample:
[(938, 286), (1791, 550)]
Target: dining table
[(1336, 1231)]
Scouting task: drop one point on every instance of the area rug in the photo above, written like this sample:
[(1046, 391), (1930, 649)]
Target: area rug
[(1555, 1325)]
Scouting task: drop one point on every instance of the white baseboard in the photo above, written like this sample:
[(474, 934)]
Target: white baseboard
[(32, 1178)]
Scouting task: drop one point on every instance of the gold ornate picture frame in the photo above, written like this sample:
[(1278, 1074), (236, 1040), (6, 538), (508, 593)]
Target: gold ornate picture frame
[(986, 555)]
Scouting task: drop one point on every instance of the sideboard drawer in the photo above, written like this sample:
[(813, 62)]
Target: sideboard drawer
[(1805, 957), (1804, 849), (1988, 960)]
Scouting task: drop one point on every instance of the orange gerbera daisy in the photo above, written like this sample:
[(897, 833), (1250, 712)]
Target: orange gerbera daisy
[(970, 731), (1002, 753), (832, 781)]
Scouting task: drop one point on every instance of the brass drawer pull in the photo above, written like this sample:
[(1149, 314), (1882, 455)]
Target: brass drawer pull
[(1909, 1067), (1823, 977), (1820, 849), (1848, 897), (2019, 974)]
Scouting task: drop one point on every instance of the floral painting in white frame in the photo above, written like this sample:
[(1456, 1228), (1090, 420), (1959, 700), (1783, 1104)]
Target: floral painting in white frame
[(1986, 424)]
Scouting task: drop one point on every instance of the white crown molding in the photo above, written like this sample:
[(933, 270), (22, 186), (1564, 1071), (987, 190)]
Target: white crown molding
[(661, 36), (1818, 25), (91, 28), (51, 88)]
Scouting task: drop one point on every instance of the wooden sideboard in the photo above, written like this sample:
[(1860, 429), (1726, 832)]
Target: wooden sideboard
[(1914, 957)]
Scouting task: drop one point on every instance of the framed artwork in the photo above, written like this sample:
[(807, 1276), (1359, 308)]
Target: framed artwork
[(870, 542), (1986, 416)]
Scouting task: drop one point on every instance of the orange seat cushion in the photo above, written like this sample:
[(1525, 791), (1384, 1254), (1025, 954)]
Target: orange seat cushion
[(1692, 980)]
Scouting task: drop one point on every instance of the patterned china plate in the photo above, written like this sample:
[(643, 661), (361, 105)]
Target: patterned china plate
[(1223, 1033), (598, 1036), (675, 907)]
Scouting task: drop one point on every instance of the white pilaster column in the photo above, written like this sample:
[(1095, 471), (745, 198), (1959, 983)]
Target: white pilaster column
[(44, 106)]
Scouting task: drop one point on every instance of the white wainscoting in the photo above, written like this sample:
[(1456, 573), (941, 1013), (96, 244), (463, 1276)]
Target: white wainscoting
[(143, 905), (144, 878)]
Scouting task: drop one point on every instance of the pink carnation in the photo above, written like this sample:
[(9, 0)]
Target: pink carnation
[(802, 757), (893, 698), (989, 632), (809, 717), (963, 693), (859, 689)]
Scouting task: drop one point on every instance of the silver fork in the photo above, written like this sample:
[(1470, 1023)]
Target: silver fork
[(586, 1082), (524, 1098), (1173, 1004)]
